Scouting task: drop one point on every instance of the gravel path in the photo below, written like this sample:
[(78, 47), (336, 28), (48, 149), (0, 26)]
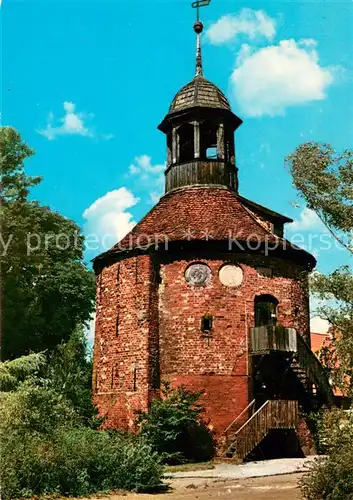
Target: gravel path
[(248, 470), (284, 487)]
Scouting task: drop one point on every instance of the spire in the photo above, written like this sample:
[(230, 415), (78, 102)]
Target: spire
[(198, 28)]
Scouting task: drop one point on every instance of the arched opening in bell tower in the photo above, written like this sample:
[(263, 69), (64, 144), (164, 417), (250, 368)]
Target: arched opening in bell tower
[(209, 141), (186, 143)]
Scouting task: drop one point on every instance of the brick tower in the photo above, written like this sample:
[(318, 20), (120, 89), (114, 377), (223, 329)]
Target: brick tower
[(204, 291)]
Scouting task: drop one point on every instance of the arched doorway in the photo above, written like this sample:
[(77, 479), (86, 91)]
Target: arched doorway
[(265, 310)]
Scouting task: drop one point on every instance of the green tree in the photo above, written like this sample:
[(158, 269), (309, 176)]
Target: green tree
[(15, 183), (174, 427), (69, 372), (331, 478), (47, 289), (324, 179), (12, 373)]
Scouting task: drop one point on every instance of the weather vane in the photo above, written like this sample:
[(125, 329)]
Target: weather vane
[(198, 4)]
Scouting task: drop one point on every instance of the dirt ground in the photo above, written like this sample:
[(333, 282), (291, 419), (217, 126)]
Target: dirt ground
[(264, 488)]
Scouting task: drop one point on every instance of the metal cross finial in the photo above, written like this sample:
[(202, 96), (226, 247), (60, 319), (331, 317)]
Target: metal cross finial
[(198, 4)]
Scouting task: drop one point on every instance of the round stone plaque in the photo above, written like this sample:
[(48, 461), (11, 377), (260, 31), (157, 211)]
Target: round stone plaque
[(231, 276), (198, 274)]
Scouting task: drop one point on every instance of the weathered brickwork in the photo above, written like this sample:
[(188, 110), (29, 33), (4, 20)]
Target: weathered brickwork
[(148, 328), (220, 364), (126, 325)]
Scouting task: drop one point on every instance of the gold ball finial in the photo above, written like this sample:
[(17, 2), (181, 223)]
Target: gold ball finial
[(198, 27)]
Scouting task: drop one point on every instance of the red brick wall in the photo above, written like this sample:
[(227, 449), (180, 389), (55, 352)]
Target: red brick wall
[(126, 325), (221, 365), (160, 324)]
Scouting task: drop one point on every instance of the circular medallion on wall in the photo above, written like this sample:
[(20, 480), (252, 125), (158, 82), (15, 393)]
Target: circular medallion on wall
[(231, 276), (198, 274)]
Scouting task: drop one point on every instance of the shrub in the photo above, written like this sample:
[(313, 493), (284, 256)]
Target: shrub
[(76, 462), (69, 372), (331, 478), (175, 429), (45, 449)]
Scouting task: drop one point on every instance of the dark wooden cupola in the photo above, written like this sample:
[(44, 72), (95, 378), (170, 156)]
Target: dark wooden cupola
[(200, 130)]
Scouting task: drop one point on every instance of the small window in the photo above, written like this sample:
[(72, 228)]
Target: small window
[(134, 377), (206, 323)]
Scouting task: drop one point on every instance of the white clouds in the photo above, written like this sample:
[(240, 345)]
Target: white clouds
[(310, 233), (249, 22), (273, 78), (151, 175), (108, 218), (143, 165), (268, 80), (155, 196), (319, 325), (308, 220), (72, 123)]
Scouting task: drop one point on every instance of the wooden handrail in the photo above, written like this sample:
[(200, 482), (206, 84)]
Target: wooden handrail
[(250, 405), (248, 422), (314, 369), (267, 338), (277, 414)]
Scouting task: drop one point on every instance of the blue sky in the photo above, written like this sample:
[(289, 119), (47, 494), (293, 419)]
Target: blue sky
[(87, 82)]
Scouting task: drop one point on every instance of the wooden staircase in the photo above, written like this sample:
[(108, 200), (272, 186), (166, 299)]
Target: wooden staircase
[(311, 373), (276, 414), (268, 340), (240, 438)]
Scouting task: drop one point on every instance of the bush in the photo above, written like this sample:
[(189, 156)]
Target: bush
[(331, 478), (77, 462), (46, 450), (175, 429)]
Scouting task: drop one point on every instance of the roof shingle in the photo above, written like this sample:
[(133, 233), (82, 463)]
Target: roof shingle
[(199, 93), (200, 213)]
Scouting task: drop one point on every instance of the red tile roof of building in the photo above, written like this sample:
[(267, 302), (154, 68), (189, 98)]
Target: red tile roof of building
[(201, 213), (318, 342)]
